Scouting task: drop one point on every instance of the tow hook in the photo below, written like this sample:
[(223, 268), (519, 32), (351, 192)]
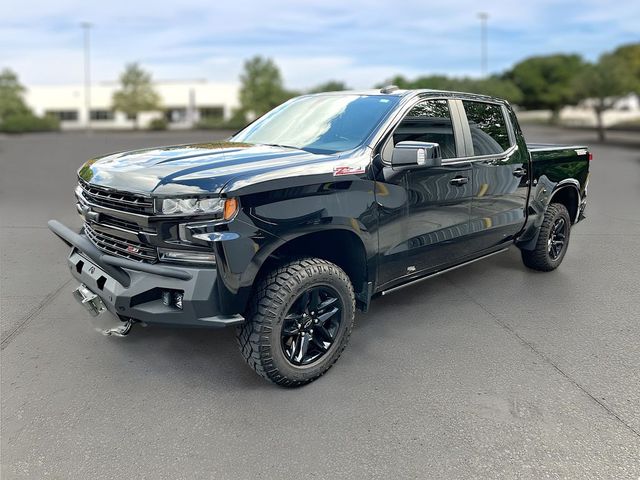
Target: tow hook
[(89, 300), (95, 306), (119, 331)]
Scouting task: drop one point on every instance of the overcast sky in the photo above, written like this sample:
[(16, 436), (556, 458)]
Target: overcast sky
[(360, 42)]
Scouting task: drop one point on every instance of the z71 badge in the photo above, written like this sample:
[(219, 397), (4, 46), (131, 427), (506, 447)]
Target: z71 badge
[(346, 170)]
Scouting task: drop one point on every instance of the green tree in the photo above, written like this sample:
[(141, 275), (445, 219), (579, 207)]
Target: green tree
[(330, 86), (548, 82), (15, 115), (399, 81), (614, 75), (629, 56), (261, 87), (136, 94), (494, 86), (435, 82), (11, 91)]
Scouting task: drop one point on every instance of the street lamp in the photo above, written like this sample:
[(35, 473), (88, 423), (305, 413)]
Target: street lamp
[(483, 16), (86, 27)]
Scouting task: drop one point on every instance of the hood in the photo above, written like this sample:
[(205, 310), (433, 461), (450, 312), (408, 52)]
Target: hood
[(200, 168)]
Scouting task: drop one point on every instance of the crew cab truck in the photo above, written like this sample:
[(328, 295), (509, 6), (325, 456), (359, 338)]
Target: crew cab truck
[(305, 215)]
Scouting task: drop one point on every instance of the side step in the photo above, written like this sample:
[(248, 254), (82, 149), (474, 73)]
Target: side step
[(442, 272)]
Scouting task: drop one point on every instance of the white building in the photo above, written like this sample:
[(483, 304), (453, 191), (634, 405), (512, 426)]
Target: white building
[(184, 103)]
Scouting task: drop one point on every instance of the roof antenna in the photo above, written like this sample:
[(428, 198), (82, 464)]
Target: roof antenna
[(389, 89)]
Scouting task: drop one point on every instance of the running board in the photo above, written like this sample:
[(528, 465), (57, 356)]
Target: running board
[(442, 272)]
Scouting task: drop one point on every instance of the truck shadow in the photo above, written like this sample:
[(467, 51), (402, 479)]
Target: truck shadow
[(210, 358), (204, 357)]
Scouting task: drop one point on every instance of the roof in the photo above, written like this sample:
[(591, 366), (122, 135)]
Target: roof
[(398, 92)]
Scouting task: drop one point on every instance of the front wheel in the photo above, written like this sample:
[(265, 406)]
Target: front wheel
[(299, 322), (553, 240)]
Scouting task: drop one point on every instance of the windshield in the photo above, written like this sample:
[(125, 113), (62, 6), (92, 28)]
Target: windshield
[(320, 124)]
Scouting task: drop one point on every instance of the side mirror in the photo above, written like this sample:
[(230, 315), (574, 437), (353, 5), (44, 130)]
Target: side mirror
[(421, 154)]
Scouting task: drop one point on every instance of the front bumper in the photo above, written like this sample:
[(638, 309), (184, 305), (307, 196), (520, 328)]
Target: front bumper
[(130, 289)]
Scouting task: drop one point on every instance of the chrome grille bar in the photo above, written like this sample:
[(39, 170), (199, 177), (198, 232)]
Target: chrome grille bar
[(125, 201), (120, 246)]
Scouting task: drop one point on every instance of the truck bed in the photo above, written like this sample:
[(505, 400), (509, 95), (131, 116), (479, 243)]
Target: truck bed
[(552, 164)]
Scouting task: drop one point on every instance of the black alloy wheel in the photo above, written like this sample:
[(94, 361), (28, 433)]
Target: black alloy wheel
[(310, 327), (556, 241)]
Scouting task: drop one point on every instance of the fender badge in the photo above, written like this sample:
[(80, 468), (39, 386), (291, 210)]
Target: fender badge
[(346, 170)]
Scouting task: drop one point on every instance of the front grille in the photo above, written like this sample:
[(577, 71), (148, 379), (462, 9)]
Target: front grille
[(121, 247), (118, 222), (118, 200)]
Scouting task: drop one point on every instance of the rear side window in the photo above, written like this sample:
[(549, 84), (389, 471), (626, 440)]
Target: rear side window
[(488, 127), (428, 121)]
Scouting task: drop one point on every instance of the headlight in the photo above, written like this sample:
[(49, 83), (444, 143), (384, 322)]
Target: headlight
[(225, 208)]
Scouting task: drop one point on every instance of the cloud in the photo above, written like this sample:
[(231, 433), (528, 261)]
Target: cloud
[(360, 42)]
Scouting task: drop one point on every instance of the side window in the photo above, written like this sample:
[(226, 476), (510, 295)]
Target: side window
[(428, 121), (488, 127)]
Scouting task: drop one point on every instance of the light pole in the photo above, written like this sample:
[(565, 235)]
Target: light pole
[(86, 27), (483, 16)]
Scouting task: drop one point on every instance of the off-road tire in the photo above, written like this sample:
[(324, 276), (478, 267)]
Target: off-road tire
[(540, 257), (259, 337)]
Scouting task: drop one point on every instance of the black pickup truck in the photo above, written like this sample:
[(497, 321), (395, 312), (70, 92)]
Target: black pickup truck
[(308, 213)]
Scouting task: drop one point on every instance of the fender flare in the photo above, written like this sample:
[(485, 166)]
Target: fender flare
[(262, 256), (559, 187), (563, 185)]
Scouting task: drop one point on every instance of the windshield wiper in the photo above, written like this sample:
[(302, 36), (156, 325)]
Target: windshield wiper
[(281, 146)]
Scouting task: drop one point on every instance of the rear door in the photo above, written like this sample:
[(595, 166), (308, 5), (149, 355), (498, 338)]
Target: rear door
[(500, 176), (424, 211)]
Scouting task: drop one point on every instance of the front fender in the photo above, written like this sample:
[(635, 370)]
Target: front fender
[(270, 220)]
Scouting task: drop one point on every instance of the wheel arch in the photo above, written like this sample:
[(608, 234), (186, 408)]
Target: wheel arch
[(567, 193), (341, 246)]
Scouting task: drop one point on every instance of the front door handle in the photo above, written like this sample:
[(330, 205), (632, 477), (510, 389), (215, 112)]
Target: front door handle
[(519, 172), (459, 181)]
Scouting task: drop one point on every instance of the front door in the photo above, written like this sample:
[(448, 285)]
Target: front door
[(424, 211)]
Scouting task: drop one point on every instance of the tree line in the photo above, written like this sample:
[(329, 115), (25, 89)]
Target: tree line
[(548, 82)]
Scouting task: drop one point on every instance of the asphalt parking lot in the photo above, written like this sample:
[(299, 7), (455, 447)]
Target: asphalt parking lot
[(491, 371)]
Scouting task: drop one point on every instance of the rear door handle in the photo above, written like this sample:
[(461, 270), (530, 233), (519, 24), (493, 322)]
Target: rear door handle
[(519, 172), (458, 181)]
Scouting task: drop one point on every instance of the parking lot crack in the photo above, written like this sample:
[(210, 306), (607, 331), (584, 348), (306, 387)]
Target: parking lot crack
[(511, 331), (16, 330)]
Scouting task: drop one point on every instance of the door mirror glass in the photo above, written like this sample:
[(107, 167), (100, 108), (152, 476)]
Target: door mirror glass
[(420, 154)]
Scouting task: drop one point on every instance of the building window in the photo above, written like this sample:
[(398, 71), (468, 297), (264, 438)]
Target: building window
[(101, 115), (64, 115), (175, 115), (211, 113)]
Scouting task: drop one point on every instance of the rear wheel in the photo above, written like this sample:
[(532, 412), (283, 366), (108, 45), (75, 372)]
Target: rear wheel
[(553, 240), (299, 322)]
